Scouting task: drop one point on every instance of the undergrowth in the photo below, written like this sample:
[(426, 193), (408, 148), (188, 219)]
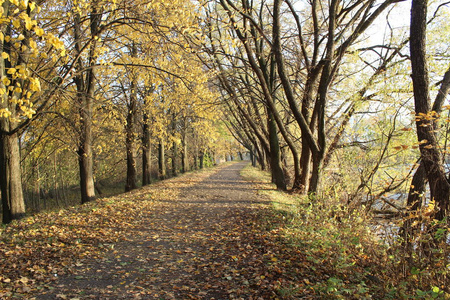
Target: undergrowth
[(342, 257)]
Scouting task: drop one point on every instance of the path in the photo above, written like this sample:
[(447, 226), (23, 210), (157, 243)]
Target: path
[(201, 245)]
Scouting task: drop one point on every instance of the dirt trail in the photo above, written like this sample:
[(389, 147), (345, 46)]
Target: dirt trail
[(200, 245)]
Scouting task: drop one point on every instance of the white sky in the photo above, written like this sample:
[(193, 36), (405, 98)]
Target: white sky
[(398, 17)]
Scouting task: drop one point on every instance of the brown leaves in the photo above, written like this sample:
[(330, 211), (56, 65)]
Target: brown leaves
[(184, 242), (36, 251)]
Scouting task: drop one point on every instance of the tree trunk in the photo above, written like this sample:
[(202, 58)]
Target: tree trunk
[(276, 170), (130, 148), (161, 161), (432, 160), (306, 155), (325, 80), (261, 159), (184, 154), (252, 157), (13, 204), (55, 180), (85, 159), (418, 182), (195, 162), (37, 186), (305, 165), (10, 173), (174, 149), (201, 158), (131, 181), (175, 159), (308, 140), (146, 152), (85, 80)]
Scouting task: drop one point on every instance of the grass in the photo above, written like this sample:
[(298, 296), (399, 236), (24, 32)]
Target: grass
[(343, 258), (71, 196)]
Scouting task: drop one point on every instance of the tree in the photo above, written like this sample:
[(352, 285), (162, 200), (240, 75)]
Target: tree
[(308, 54), (85, 84), (426, 128), (25, 49)]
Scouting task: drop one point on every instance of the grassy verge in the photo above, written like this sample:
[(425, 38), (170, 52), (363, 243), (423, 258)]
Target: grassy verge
[(336, 254)]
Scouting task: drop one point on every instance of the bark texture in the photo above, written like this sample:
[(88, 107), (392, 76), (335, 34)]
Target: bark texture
[(11, 181), (431, 157)]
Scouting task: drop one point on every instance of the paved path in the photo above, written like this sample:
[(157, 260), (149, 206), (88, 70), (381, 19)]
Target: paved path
[(199, 245)]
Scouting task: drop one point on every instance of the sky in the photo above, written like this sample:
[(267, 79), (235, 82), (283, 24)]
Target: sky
[(398, 17)]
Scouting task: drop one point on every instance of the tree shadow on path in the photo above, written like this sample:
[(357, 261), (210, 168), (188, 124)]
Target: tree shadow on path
[(202, 244)]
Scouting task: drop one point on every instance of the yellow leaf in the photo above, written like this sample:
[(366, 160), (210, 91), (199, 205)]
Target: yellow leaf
[(5, 113), (6, 81), (16, 23), (11, 71), (35, 85), (24, 280), (28, 23), (39, 31), (24, 4), (5, 55), (33, 45)]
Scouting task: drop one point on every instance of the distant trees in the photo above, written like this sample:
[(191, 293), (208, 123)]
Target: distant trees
[(304, 87), (59, 68), (298, 63)]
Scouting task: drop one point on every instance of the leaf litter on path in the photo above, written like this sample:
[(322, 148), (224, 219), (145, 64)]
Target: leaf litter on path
[(197, 236)]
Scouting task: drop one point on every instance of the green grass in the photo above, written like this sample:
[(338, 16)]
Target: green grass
[(343, 257)]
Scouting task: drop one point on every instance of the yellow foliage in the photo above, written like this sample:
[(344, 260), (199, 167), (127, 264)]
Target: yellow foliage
[(23, 77)]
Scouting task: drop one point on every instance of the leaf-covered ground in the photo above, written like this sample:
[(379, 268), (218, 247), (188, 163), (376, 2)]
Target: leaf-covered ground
[(203, 235)]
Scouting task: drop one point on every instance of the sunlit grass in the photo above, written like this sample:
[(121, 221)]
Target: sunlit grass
[(346, 257)]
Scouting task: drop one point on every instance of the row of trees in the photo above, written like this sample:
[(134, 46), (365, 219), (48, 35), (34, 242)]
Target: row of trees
[(305, 63), (314, 91), (89, 85), (307, 87)]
